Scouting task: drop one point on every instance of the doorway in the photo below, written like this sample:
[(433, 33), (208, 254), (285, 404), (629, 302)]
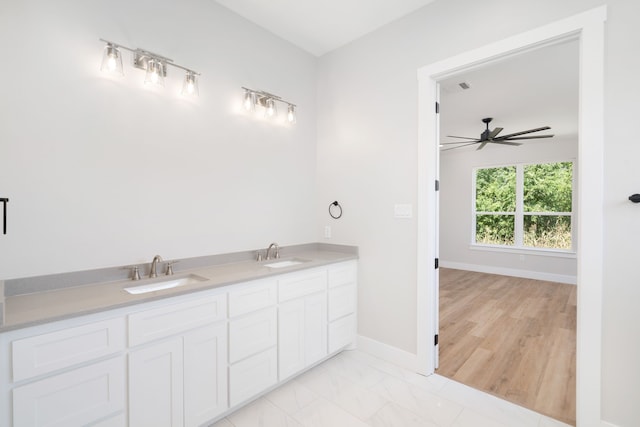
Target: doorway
[(588, 28), (501, 331)]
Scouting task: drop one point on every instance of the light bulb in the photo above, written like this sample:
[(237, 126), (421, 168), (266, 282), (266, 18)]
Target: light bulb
[(190, 85), (112, 60), (248, 103), (270, 108), (291, 114), (154, 73)]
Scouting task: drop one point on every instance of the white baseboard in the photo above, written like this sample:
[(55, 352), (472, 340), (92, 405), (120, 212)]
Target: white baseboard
[(526, 274), (606, 424), (389, 353)]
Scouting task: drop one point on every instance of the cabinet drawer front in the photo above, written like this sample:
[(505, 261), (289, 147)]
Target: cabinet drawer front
[(258, 295), (168, 320), (252, 376), (300, 284), (56, 350), (342, 301), (75, 398), (342, 332), (343, 273), (253, 333)]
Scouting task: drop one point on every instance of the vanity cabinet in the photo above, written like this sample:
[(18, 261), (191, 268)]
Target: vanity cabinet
[(181, 361), (302, 321), (343, 302), (253, 336), (65, 376), (180, 378)]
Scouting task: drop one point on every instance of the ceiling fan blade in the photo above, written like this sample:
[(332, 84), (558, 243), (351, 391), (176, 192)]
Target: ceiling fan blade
[(459, 146), (507, 142), (524, 132), (495, 133), (462, 137), (482, 145), (459, 142), (528, 137)]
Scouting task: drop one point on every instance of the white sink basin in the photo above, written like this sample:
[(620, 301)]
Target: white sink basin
[(165, 283), (286, 263)]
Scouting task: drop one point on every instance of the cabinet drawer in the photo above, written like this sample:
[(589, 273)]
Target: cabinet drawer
[(57, 350), (252, 376), (253, 333), (150, 325), (257, 295), (300, 284), (75, 398), (342, 332), (342, 273), (342, 301)]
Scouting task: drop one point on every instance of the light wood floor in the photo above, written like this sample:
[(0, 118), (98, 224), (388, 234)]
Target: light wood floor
[(511, 337)]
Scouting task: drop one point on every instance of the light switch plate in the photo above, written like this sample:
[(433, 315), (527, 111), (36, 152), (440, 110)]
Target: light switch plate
[(403, 211)]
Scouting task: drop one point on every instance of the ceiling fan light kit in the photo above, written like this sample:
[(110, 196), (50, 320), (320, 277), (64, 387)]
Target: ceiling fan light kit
[(491, 137)]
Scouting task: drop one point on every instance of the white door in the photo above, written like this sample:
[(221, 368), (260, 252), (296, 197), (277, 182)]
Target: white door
[(156, 385)]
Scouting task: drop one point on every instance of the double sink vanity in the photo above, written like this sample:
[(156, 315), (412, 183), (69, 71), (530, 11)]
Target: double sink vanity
[(183, 349)]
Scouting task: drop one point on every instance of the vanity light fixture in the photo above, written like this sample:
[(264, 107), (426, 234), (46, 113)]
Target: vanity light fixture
[(268, 101), (155, 66), (112, 60)]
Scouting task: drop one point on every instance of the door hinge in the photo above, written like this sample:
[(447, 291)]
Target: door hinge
[(437, 108), (437, 263), (435, 340), (437, 185)]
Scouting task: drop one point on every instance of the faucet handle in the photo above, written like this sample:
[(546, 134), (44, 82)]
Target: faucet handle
[(135, 273), (169, 271), (259, 256)]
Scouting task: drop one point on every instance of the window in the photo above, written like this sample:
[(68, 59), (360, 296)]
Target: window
[(524, 206)]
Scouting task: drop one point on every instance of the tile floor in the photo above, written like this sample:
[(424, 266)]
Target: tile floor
[(355, 389)]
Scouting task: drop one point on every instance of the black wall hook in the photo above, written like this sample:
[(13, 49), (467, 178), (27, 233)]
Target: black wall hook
[(4, 201), (635, 198)]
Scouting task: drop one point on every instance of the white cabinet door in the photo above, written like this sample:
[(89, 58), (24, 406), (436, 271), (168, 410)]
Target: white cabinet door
[(205, 374), (156, 385), (315, 328), (302, 333), (72, 399), (291, 338)]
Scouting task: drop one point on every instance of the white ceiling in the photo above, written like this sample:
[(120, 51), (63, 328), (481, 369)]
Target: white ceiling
[(530, 90), (321, 26)]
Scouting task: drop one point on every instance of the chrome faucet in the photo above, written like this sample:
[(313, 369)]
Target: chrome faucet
[(154, 264), (273, 245)]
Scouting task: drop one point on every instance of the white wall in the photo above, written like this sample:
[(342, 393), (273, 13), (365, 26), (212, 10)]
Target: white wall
[(456, 203), (103, 172), (367, 144)]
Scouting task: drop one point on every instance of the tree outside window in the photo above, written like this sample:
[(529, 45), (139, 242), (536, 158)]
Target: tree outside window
[(527, 206)]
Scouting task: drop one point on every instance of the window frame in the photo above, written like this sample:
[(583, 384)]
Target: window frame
[(519, 213)]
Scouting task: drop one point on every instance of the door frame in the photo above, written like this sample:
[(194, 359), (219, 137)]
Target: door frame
[(588, 28)]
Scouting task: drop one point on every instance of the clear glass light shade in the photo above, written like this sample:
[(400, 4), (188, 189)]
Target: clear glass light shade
[(112, 60), (249, 102), (291, 114), (190, 85), (270, 108), (155, 74)]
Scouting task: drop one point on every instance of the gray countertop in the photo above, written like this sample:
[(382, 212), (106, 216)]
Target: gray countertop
[(50, 305)]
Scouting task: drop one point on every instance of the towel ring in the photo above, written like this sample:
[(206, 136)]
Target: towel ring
[(331, 210)]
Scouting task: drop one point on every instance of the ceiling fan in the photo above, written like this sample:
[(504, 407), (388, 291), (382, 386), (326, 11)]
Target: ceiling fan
[(491, 137)]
